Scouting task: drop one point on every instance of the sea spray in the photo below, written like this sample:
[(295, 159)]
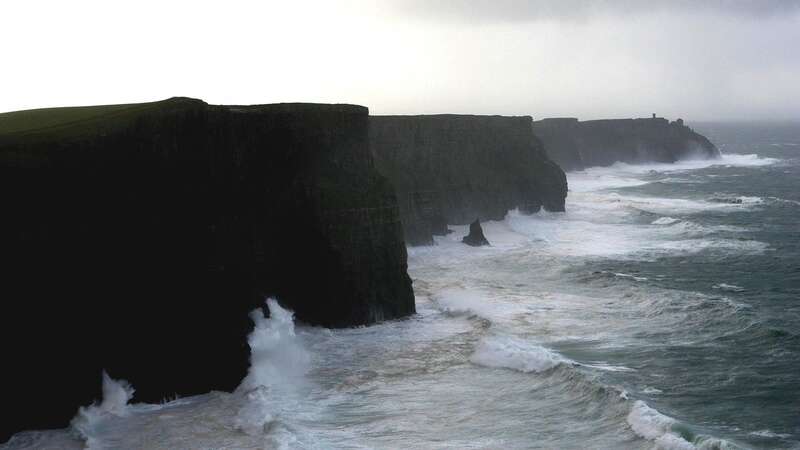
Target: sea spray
[(278, 364), (116, 395)]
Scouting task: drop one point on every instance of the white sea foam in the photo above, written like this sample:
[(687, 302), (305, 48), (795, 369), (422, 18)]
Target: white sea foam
[(514, 353), (784, 201), (744, 160), (750, 200), (692, 246), (572, 235), (728, 287), (631, 276), (770, 434), (603, 222), (463, 302), (470, 302), (647, 422), (278, 363), (600, 365), (624, 174), (277, 356), (654, 426), (116, 395), (665, 221)]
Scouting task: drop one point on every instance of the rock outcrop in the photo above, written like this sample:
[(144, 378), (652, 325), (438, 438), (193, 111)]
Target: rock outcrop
[(136, 239), (576, 145), (475, 238), (449, 169)]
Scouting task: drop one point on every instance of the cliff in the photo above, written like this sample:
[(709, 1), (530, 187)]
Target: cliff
[(452, 169), (576, 145), (136, 239)]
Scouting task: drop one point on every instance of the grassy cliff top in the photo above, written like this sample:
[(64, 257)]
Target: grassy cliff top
[(76, 120), (58, 123)]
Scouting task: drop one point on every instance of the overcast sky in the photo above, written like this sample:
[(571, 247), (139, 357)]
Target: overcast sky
[(700, 60)]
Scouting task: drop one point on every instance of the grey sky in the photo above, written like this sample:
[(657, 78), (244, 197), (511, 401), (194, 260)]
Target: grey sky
[(532, 10), (698, 60)]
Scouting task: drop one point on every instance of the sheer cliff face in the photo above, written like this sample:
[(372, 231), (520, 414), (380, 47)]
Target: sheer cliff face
[(137, 241), (452, 169), (575, 145)]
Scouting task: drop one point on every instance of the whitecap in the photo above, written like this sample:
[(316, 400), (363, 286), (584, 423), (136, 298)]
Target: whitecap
[(514, 353), (728, 287), (770, 434), (692, 246), (601, 365), (664, 221), (458, 301), (633, 277), (654, 426)]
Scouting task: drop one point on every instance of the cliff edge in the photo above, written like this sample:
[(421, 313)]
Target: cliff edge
[(136, 239), (575, 145), (449, 169)]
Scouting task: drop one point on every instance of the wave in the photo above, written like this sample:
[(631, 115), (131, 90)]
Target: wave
[(728, 287), (514, 353), (734, 199), (116, 395), (508, 352), (577, 234), (623, 171), (278, 363), (665, 221), (668, 434), (783, 201), (770, 434)]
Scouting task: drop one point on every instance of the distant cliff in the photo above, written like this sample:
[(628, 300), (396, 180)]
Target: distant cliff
[(575, 145), (452, 169), (136, 238)]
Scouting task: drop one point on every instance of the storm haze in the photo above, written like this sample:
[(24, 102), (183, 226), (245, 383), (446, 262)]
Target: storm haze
[(716, 60)]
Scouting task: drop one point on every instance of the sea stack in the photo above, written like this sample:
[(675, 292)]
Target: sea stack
[(475, 238)]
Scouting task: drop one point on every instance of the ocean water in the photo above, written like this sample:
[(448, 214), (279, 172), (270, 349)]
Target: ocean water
[(662, 310)]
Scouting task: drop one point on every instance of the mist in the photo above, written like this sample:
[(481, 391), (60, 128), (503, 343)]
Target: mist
[(720, 60)]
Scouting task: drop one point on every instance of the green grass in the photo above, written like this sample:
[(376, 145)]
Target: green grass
[(77, 120)]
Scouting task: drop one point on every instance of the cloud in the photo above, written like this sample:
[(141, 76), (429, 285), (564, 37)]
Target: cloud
[(493, 11)]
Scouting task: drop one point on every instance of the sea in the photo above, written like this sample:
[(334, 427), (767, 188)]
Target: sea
[(661, 311)]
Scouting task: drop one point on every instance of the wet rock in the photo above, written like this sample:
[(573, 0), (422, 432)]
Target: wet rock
[(475, 237)]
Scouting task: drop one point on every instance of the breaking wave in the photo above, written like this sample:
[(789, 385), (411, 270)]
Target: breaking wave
[(116, 395), (514, 353)]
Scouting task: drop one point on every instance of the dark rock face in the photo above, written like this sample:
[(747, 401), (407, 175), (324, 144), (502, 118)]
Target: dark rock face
[(138, 243), (475, 237), (453, 168), (576, 145)]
